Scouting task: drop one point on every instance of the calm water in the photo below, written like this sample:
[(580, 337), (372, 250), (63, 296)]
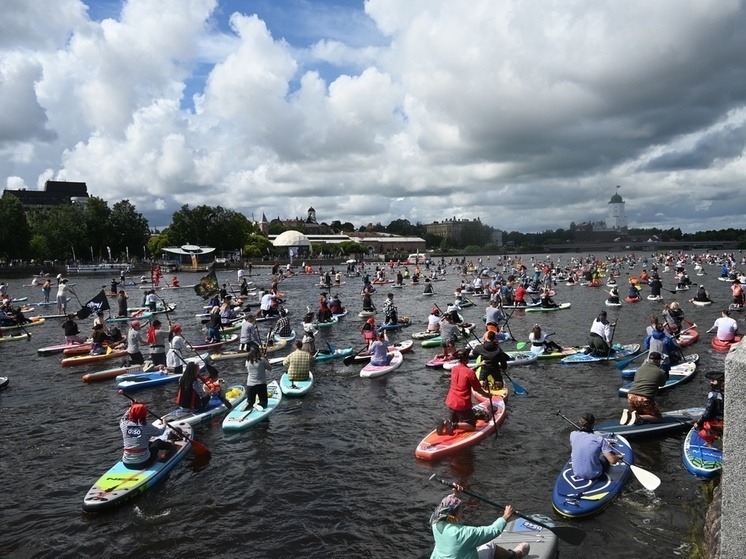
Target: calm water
[(334, 474)]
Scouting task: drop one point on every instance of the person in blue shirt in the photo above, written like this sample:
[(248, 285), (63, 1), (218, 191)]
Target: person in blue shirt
[(591, 453), (379, 351)]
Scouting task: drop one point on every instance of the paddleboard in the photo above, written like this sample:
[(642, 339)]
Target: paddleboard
[(234, 394), (296, 388), (373, 371), (542, 540), (576, 497), (700, 459), (248, 413), (617, 352), (672, 421), (120, 484), (435, 446), (88, 359), (548, 309), (139, 381)]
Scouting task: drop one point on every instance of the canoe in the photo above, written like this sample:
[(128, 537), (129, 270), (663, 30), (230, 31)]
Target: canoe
[(542, 540), (76, 360), (247, 413), (618, 351), (562, 306), (14, 337), (629, 373), (722, 346), (216, 345), (435, 446), (296, 388), (575, 497), (215, 407), (117, 371), (120, 484), (373, 371), (683, 373), (139, 381), (671, 422), (700, 459), (60, 348)]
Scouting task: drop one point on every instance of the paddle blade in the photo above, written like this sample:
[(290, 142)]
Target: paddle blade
[(520, 345), (568, 534), (647, 479)]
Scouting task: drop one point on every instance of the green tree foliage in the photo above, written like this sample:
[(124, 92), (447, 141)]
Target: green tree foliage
[(210, 226), (63, 231), (98, 227), (130, 230), (351, 247), (15, 233), (257, 246)]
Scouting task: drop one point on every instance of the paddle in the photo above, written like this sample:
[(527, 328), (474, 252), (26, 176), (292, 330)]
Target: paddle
[(520, 345), (621, 365), (568, 534), (611, 341), (647, 479), (517, 388), (199, 448)]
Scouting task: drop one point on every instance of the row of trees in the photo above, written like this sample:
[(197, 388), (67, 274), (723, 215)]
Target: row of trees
[(95, 231)]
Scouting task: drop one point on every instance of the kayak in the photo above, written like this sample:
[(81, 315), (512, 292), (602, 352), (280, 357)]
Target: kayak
[(373, 371), (700, 459), (576, 497), (248, 413), (671, 422), (682, 374), (723, 346), (216, 345), (676, 369), (548, 309), (88, 359), (119, 484), (117, 371), (138, 381), (296, 388), (233, 395), (523, 529), (618, 351), (435, 446)]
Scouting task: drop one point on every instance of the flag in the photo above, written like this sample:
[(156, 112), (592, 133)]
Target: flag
[(99, 303), (207, 286)]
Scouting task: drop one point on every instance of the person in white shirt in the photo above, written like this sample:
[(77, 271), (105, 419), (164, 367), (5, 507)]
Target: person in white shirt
[(727, 327)]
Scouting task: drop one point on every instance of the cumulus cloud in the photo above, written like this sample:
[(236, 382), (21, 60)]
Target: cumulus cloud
[(419, 110)]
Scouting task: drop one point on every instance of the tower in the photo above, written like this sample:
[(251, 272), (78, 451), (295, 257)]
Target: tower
[(617, 218), (311, 215)]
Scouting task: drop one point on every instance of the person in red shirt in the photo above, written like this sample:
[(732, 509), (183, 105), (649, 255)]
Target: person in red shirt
[(520, 294), (458, 400)]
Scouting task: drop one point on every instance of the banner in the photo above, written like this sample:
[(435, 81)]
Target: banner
[(99, 303), (207, 286)]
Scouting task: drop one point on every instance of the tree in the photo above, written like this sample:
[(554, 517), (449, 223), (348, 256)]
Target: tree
[(210, 226), (98, 226), (257, 246), (129, 229), (15, 233), (60, 228)]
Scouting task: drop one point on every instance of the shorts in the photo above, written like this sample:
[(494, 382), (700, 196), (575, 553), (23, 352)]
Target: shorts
[(643, 405), (465, 416)]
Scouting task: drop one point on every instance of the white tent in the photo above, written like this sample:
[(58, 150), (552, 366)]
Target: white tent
[(291, 239)]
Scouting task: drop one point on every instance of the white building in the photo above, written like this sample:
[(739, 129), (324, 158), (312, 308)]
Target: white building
[(617, 218)]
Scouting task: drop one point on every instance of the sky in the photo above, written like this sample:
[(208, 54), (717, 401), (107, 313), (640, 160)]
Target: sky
[(526, 115)]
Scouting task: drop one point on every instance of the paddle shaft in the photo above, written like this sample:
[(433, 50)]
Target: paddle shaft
[(199, 448), (647, 479), (568, 534)]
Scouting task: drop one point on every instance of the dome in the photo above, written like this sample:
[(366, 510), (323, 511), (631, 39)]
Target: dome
[(616, 199), (291, 239)]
